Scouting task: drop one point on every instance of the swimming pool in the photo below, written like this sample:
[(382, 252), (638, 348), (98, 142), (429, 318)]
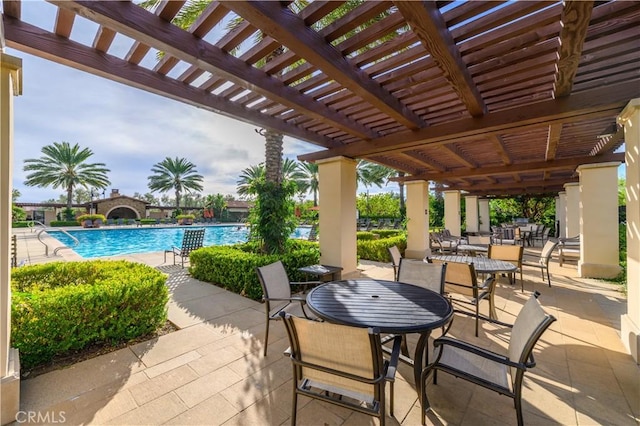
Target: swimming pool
[(113, 242)]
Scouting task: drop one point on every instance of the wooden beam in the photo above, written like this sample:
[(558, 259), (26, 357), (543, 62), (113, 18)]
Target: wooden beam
[(290, 30), (595, 103), (497, 141), (513, 185), (575, 18), (546, 191), (12, 8), (104, 38), (428, 163), (565, 163), (608, 142), (553, 138), (458, 156), (139, 24), (427, 23), (64, 22), (35, 41)]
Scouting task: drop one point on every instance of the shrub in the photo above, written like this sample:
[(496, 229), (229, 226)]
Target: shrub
[(84, 217), (233, 267), (21, 223), (376, 250), (58, 223), (65, 306), (148, 221), (185, 216)]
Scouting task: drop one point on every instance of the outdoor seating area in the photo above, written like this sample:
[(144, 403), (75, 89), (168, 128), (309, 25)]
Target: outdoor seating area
[(213, 370)]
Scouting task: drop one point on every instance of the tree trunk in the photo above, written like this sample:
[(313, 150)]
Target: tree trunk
[(69, 197), (273, 156), (315, 198), (177, 200), (401, 190)]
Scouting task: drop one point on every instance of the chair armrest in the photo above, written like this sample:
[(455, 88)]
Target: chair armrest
[(285, 299), (492, 356), (393, 360), (293, 283)]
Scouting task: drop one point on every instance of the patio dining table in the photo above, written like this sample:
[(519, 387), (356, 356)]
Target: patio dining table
[(390, 306), (482, 265)]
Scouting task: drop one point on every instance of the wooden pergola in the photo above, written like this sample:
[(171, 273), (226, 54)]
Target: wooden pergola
[(488, 97)]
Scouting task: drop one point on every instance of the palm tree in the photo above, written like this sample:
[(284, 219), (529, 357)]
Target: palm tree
[(216, 203), (248, 179), (310, 172), (251, 175), (177, 174), (63, 165)]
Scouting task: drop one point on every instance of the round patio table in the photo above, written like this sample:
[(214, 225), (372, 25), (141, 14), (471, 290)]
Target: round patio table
[(391, 306), (482, 265), (472, 249)]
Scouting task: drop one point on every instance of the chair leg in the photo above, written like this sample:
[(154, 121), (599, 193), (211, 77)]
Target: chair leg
[(383, 411), (294, 405), (521, 282), (548, 277), (477, 316), (391, 397), (518, 403), (266, 335), (422, 386)]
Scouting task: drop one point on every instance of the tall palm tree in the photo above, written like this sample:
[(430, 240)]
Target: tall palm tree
[(177, 174), (253, 174), (311, 178), (63, 165)]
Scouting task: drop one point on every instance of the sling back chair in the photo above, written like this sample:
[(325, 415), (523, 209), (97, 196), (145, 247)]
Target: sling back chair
[(277, 295), (545, 257), (512, 254), (340, 365), (191, 240), (501, 373), (394, 254)]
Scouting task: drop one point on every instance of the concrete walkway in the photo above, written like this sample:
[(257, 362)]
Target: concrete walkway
[(212, 370)]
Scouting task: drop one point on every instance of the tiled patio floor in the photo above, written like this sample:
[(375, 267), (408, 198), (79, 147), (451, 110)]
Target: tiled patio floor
[(212, 370)]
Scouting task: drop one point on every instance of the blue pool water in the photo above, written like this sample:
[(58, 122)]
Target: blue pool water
[(113, 242)]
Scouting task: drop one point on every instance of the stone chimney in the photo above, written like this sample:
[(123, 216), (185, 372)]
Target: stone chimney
[(114, 193)]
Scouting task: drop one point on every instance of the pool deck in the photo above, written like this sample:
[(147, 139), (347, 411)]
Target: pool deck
[(212, 371)]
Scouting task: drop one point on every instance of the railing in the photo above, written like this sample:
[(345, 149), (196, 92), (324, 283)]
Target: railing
[(55, 251)]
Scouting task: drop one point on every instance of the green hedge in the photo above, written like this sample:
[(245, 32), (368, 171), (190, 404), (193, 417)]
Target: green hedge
[(233, 267), (376, 250), (55, 223), (84, 217), (21, 223), (65, 306), (149, 221)]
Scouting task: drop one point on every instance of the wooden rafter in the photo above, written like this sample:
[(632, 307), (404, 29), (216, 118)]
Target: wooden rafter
[(564, 164), (498, 143), (104, 38), (427, 23), (291, 31), (513, 185), (135, 22), (575, 18), (599, 102), (553, 138), (431, 163), (12, 8), (608, 143), (47, 45), (458, 155), (64, 22)]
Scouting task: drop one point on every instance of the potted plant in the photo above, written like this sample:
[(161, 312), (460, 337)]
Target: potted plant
[(185, 219)]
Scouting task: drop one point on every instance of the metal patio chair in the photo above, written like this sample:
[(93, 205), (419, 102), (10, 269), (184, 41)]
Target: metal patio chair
[(191, 240)]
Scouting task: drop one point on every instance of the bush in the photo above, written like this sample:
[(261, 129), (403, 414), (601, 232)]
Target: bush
[(233, 267), (58, 223), (185, 216), (84, 217), (21, 223), (148, 221), (376, 250), (65, 306)]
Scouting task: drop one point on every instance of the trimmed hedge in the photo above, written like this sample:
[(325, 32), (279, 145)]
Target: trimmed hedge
[(65, 306), (376, 250), (21, 223), (84, 217), (58, 223), (233, 267), (378, 233)]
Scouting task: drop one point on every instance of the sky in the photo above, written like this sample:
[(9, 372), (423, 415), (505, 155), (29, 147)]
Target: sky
[(128, 129)]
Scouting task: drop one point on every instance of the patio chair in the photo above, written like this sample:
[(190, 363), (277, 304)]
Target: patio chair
[(427, 275), (543, 237), (568, 249), (512, 254), (501, 373), (441, 245), (462, 287), (545, 257), (277, 295), (340, 365), (394, 254), (191, 240)]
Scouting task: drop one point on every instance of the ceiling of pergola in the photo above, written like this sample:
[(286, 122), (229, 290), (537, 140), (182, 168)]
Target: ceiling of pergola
[(492, 98)]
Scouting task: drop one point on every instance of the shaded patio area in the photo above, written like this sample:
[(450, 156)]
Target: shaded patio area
[(212, 370)]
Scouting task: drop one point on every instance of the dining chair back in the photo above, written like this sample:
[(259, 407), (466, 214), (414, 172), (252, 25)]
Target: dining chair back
[(426, 275), (545, 258), (341, 365), (511, 254), (394, 254), (192, 239)]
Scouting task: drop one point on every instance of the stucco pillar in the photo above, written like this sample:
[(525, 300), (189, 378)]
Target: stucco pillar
[(417, 220), (337, 196), (599, 241), (630, 322), (452, 211), (10, 86), (471, 213), (572, 209), (561, 213), (484, 215)]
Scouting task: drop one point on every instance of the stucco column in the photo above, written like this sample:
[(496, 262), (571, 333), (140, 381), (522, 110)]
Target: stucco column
[(471, 213), (484, 214), (572, 209), (599, 241), (561, 213), (452, 211), (337, 195), (630, 322), (417, 219), (10, 86)]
